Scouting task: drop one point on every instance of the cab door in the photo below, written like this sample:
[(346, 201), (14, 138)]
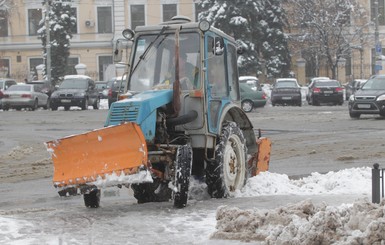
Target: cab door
[(221, 78)]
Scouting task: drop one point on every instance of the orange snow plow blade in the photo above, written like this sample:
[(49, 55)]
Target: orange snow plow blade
[(264, 148), (82, 158), (259, 162)]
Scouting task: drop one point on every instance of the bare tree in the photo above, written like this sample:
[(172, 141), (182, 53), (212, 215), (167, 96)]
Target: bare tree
[(6, 4), (327, 30)]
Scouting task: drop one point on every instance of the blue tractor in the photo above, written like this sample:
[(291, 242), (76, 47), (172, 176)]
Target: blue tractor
[(179, 118)]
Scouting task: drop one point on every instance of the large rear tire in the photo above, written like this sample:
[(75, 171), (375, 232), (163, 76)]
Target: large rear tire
[(229, 171), (183, 163), (92, 199)]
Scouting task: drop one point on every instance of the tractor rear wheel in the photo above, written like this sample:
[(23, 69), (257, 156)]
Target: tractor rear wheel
[(92, 199), (181, 183), (229, 171)]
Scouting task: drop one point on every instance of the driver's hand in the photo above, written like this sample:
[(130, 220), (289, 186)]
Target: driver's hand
[(186, 84)]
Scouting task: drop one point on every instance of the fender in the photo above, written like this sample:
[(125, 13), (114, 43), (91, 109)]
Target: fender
[(232, 112)]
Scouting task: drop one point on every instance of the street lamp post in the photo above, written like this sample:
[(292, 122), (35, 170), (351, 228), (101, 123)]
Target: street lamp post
[(377, 43), (48, 41)]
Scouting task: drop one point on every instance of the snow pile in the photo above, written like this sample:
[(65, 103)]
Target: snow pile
[(345, 181), (19, 152), (304, 223)]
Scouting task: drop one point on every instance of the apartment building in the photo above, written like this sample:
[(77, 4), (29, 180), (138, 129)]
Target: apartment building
[(99, 23)]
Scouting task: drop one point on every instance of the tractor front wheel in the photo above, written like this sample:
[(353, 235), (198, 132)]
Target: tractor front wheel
[(157, 191), (181, 183), (229, 171), (92, 199)]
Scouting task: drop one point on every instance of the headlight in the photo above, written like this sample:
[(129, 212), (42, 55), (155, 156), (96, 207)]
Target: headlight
[(79, 94), (381, 97), (352, 98), (54, 95)]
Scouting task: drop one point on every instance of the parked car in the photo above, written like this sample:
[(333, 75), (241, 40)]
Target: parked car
[(316, 79), (44, 86), (24, 96), (352, 87), (325, 91), (115, 87), (286, 91), (101, 86), (369, 99), (251, 81), (5, 83), (75, 90), (251, 99)]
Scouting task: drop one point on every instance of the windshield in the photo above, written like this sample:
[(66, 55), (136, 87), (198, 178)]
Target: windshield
[(286, 84), (20, 88), (327, 84), (154, 65), (377, 83), (74, 84)]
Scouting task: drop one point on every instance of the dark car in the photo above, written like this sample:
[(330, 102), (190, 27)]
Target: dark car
[(101, 86), (5, 83), (369, 99), (44, 86), (115, 87), (286, 91), (353, 86), (325, 91), (75, 90), (251, 99)]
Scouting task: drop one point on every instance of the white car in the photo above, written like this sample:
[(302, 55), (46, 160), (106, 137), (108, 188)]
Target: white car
[(24, 96)]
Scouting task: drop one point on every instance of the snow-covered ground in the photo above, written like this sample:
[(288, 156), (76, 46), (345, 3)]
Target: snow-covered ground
[(337, 220)]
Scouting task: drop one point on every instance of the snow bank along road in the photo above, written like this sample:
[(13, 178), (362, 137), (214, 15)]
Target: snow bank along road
[(305, 140)]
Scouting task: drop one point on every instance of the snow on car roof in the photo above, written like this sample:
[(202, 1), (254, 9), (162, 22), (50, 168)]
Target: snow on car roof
[(248, 78), (76, 77)]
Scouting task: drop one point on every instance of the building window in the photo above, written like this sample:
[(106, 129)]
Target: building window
[(3, 23), (137, 16), (104, 62), (4, 68), (74, 28), (33, 62), (34, 17), (381, 14), (104, 20), (169, 11), (71, 63), (348, 65)]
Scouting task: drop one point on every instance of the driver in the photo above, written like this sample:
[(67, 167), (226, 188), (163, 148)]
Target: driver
[(188, 73)]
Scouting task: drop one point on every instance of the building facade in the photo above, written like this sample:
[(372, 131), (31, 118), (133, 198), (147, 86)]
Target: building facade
[(99, 24), (362, 62)]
